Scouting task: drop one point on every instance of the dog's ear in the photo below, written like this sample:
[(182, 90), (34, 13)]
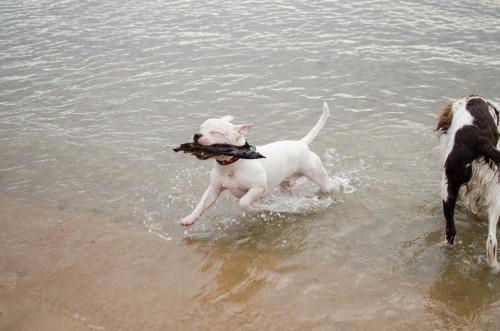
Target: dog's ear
[(228, 118), (243, 129)]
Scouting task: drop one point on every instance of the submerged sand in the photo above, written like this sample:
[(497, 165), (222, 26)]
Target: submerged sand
[(63, 271), (68, 271)]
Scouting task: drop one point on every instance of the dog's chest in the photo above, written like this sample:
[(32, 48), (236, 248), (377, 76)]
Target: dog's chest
[(230, 180)]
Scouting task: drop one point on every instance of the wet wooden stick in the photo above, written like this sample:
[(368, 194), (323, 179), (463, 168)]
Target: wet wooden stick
[(205, 152)]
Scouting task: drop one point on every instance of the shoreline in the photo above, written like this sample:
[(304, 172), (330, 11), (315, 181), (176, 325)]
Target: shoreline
[(81, 272), (72, 271)]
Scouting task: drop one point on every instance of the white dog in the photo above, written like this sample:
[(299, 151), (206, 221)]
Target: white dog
[(252, 179), (470, 156)]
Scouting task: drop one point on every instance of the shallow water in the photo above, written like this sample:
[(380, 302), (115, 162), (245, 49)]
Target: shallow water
[(94, 96)]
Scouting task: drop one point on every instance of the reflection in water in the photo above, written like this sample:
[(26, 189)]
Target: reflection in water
[(458, 299), (248, 258), (464, 287), (255, 277), (241, 273)]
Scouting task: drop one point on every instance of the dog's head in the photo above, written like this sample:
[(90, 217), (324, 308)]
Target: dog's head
[(221, 131)]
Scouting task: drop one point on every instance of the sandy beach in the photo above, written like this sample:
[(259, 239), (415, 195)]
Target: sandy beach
[(61, 271)]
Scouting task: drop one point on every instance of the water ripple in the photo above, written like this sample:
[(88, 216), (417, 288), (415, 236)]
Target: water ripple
[(94, 95)]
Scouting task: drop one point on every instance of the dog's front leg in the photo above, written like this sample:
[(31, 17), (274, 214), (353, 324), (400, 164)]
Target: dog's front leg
[(449, 192), (207, 200), (253, 194)]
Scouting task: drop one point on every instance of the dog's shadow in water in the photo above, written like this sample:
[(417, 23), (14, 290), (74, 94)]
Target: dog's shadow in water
[(248, 256)]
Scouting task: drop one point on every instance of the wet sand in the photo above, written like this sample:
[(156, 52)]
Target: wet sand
[(81, 271), (67, 271)]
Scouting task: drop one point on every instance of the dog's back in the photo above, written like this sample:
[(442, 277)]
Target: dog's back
[(469, 131)]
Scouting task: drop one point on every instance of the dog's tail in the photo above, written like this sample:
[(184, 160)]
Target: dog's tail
[(317, 128)]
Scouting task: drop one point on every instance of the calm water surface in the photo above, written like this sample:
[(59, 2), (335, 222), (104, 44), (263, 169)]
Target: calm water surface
[(95, 94)]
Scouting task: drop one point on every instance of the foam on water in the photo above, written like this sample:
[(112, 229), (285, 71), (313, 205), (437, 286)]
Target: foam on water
[(304, 197)]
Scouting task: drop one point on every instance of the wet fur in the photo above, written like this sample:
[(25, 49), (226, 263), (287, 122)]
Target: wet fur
[(250, 180), (468, 129)]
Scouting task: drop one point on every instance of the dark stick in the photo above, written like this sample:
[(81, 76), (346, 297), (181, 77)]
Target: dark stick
[(205, 152)]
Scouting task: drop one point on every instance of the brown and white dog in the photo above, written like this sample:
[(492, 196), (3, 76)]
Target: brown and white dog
[(469, 148)]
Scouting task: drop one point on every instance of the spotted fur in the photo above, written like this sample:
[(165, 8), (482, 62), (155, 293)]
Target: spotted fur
[(468, 129)]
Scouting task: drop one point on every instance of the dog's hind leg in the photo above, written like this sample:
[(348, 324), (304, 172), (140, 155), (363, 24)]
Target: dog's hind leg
[(290, 181), (316, 172), (491, 242)]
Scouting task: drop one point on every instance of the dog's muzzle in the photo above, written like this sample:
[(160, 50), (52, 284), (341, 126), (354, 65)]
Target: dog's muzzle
[(196, 137)]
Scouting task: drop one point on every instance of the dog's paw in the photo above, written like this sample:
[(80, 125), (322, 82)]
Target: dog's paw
[(188, 221), (247, 208), (495, 268)]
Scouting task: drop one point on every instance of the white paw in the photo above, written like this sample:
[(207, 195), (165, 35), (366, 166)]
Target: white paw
[(495, 267), (188, 221), (247, 207)]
